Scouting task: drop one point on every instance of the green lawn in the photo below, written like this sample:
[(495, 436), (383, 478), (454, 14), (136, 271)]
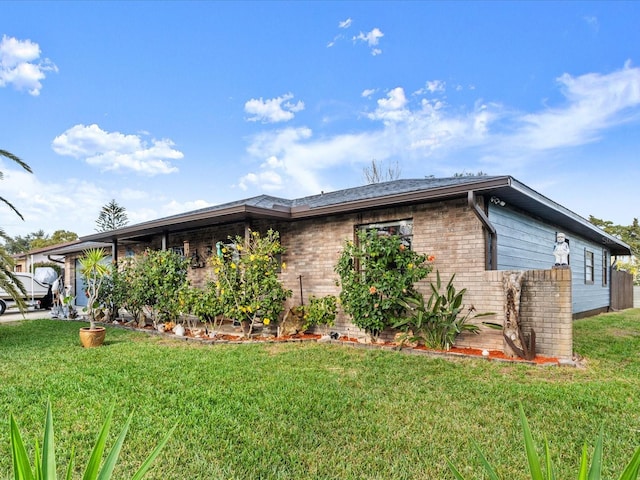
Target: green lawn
[(296, 411)]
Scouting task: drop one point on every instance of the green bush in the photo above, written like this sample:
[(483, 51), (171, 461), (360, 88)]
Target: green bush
[(377, 274), (321, 311), (438, 322), (246, 278)]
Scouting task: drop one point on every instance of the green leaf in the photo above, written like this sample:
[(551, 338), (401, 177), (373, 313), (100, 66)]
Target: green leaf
[(596, 462), (584, 464), (632, 470), (112, 457), (69, 474), (93, 467), (549, 466), (532, 455), (146, 465), (485, 463), (21, 466), (455, 472), (48, 449)]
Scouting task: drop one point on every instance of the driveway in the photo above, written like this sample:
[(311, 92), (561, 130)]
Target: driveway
[(12, 315)]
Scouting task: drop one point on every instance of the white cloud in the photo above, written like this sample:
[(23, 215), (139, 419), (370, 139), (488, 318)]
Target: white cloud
[(368, 92), (429, 136), (174, 207), (115, 151), (593, 103), (273, 110), (345, 23), (391, 108), (20, 65), (372, 39), (267, 180), (49, 205)]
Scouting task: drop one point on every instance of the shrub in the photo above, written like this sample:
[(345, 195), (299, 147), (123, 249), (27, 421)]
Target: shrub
[(376, 274), (321, 311), (246, 279), (440, 321)]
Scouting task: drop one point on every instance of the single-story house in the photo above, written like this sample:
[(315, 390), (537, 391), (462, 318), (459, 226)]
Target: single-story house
[(476, 227)]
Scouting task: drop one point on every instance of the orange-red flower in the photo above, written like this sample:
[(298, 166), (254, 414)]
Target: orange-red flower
[(402, 247), (431, 258), (372, 289)]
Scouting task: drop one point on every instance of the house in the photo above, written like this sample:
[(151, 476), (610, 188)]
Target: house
[(476, 227), (25, 262)]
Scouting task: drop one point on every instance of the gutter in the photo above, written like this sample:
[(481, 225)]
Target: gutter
[(491, 254), (54, 260)]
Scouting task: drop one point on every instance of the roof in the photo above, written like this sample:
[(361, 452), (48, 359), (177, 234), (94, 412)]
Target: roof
[(367, 197)]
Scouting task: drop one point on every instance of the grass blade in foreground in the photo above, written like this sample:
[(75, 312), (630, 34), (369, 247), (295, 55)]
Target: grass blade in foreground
[(45, 469), (585, 472)]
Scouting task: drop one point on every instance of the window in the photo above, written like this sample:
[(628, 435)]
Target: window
[(178, 251), (605, 268), (402, 228), (588, 267)]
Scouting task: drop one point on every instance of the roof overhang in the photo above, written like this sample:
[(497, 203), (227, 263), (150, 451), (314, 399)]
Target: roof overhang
[(505, 187)]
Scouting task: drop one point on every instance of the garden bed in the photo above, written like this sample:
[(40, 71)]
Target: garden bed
[(231, 336)]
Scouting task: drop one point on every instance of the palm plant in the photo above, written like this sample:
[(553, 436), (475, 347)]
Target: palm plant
[(8, 281), (94, 270)]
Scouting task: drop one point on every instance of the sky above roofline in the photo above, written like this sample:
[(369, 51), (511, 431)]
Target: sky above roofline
[(168, 107)]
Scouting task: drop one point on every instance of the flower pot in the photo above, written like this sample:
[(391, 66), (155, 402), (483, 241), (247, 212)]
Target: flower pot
[(92, 337)]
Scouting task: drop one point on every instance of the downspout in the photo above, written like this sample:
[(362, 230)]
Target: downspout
[(114, 251), (491, 256)]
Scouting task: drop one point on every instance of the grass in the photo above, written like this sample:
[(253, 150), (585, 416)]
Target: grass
[(318, 411)]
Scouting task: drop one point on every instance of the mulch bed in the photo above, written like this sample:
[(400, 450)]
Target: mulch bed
[(493, 355)]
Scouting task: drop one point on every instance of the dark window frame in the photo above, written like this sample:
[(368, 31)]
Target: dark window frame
[(589, 267)]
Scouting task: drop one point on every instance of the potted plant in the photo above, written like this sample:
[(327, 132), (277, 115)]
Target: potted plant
[(94, 270)]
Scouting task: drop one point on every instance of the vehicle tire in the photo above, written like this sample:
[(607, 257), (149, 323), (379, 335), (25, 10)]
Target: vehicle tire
[(3, 307)]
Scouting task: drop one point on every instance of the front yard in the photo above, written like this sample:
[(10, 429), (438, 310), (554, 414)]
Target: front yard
[(318, 411)]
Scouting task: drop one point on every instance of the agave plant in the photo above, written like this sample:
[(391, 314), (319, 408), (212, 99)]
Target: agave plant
[(44, 467), (537, 467)]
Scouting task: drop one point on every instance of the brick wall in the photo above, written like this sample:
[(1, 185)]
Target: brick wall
[(545, 306), (449, 230)]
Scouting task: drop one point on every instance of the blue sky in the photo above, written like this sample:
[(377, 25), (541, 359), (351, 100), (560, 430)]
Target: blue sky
[(171, 106)]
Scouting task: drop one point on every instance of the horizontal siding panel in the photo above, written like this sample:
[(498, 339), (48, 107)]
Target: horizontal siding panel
[(525, 243)]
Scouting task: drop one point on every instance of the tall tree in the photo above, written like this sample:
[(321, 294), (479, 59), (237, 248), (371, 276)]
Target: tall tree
[(8, 281), (111, 216)]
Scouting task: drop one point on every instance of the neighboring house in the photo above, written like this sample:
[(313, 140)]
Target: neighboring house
[(475, 226), (25, 261), (71, 252)]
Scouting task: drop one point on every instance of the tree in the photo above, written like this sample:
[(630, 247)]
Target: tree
[(629, 234), (377, 173), (59, 236), (111, 216), (8, 281)]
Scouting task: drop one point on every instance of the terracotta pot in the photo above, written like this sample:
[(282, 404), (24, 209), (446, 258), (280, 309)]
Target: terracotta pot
[(92, 337)]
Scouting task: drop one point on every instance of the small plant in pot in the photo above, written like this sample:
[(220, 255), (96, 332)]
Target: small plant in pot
[(94, 271)]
